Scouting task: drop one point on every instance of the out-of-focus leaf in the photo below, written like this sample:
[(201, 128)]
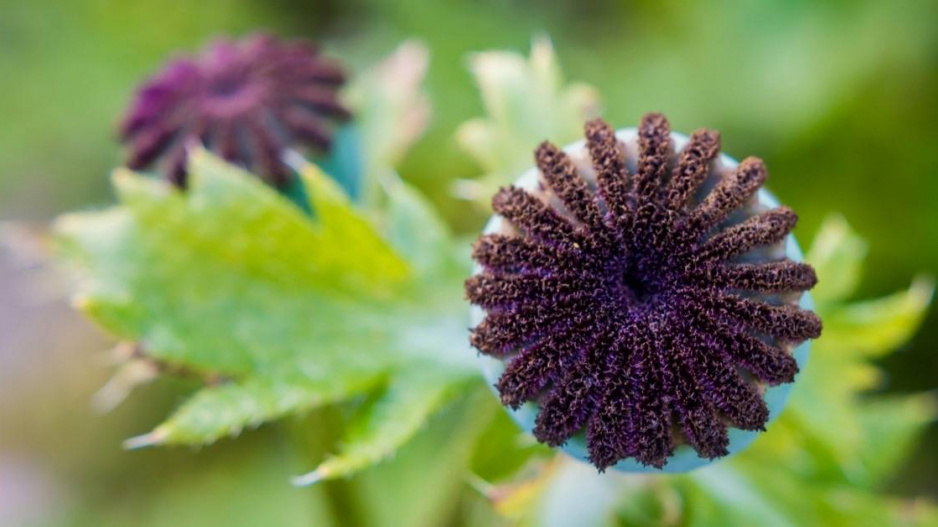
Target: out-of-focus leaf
[(505, 449), (722, 496), (874, 327), (389, 422), (229, 279), (890, 427), (652, 501), (423, 485), (516, 501), (391, 109), (751, 493), (830, 436), (220, 411), (825, 401), (837, 255), (526, 102), (417, 232), (576, 495), (391, 112)]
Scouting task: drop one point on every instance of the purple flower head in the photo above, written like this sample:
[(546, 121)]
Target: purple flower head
[(641, 296), (247, 101)]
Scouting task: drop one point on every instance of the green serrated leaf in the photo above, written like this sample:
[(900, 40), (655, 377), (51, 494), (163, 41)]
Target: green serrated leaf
[(227, 276), (225, 410), (231, 280), (525, 102), (388, 423), (345, 228)]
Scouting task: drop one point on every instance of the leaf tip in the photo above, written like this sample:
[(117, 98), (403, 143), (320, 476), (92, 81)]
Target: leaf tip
[(310, 478), (153, 438)]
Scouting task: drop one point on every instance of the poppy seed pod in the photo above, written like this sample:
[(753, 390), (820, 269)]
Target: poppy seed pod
[(247, 101), (640, 300)]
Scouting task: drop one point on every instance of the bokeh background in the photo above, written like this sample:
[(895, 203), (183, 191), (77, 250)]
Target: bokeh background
[(839, 97)]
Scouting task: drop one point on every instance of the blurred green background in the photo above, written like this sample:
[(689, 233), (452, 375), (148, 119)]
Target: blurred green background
[(839, 97)]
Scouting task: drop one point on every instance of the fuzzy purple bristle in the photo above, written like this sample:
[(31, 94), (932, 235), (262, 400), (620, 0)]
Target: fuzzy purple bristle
[(247, 101), (630, 311)]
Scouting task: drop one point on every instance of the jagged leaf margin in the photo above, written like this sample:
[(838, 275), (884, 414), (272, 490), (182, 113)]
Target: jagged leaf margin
[(230, 280)]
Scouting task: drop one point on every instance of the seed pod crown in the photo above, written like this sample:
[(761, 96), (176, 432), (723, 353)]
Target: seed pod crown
[(247, 101), (641, 297)]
